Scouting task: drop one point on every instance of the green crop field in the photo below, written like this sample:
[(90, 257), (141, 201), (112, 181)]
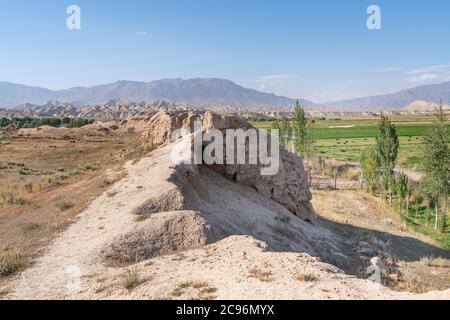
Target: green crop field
[(344, 138)]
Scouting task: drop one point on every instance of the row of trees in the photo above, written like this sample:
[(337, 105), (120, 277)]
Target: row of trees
[(379, 162), (297, 130), (28, 122)]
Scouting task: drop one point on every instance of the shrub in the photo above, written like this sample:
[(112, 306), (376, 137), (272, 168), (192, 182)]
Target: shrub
[(30, 227), (264, 276), (65, 205), (10, 263), (131, 278), (28, 187), (369, 167), (308, 277)]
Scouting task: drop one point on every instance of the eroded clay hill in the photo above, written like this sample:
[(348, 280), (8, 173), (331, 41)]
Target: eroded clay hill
[(176, 230), (288, 187)]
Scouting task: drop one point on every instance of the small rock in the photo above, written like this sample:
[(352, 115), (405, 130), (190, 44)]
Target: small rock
[(364, 244), (377, 270), (376, 261), (367, 252)]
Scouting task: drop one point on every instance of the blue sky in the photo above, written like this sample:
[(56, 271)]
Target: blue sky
[(321, 50)]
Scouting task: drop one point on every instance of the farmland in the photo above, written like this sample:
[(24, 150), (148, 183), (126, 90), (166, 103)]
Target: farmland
[(344, 138)]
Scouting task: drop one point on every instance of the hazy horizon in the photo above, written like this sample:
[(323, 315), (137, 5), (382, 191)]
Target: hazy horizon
[(176, 78)]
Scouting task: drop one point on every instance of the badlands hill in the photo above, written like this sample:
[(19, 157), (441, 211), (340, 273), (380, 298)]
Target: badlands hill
[(173, 230), (125, 110), (112, 110), (421, 106)]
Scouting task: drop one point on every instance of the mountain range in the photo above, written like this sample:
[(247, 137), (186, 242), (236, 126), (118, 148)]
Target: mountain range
[(432, 93), (198, 92), (203, 92)]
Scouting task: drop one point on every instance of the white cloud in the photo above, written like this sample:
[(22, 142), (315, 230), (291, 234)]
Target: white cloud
[(275, 82), (424, 77), (429, 69), (434, 73), (141, 33), (280, 84)]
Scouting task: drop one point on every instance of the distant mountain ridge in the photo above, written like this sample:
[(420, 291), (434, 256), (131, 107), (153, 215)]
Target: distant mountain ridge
[(431, 93), (211, 92), (199, 92)]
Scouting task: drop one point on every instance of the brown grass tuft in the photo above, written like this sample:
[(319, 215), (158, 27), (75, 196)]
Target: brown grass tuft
[(10, 263), (264, 276), (307, 277), (131, 278), (65, 205)]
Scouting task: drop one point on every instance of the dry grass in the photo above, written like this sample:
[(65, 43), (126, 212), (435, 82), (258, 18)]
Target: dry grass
[(306, 277), (180, 289), (439, 262), (141, 218), (416, 286), (264, 276), (111, 193), (10, 263), (3, 292), (30, 227), (107, 183), (131, 278), (203, 290), (65, 205), (179, 257), (10, 194)]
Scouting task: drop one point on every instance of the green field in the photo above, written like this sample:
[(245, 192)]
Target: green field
[(344, 138)]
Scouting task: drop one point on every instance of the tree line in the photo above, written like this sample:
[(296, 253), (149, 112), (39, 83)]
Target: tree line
[(28, 122)]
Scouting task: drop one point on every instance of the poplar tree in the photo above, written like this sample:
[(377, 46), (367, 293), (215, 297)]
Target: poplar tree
[(387, 151), (303, 139), (437, 165)]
